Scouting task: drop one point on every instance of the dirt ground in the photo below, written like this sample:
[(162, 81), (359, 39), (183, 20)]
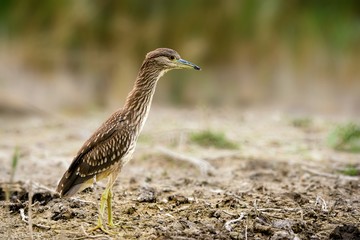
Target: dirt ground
[(283, 181)]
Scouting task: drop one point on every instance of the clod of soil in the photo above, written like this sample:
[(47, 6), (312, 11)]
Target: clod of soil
[(147, 194), (178, 199), (18, 195), (345, 232), (61, 211)]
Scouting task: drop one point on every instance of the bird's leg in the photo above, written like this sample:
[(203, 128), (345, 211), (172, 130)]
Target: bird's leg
[(104, 198), (112, 179), (110, 215)]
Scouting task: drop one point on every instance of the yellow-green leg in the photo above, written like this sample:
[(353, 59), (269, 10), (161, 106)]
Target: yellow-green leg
[(105, 198), (110, 215)]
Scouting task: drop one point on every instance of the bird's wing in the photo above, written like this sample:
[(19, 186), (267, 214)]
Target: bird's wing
[(94, 156)]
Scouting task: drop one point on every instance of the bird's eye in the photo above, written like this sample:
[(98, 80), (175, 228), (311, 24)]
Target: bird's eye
[(172, 57)]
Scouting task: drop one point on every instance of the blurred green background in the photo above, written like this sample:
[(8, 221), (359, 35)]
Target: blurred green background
[(297, 54)]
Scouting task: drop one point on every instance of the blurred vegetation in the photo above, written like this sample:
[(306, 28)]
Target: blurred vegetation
[(88, 25), (209, 138), (302, 122), (14, 165), (345, 137), (252, 49), (350, 171)]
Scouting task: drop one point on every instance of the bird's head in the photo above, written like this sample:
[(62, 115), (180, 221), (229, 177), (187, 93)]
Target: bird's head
[(167, 59)]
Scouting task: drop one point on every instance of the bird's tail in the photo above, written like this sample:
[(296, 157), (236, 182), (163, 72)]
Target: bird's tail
[(72, 183)]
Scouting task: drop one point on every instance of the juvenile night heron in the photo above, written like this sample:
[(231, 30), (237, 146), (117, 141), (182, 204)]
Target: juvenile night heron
[(111, 146)]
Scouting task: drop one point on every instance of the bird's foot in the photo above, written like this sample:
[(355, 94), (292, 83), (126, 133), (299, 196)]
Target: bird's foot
[(113, 225), (103, 228)]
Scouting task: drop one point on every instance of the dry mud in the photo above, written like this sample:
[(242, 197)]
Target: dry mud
[(282, 183)]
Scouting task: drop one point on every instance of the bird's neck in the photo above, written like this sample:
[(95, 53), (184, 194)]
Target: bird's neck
[(138, 102)]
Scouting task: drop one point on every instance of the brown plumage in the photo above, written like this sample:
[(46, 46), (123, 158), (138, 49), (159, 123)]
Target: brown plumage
[(101, 154), (112, 145)]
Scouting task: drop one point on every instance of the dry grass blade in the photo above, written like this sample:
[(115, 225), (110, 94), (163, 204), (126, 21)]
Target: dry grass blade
[(25, 219), (30, 211), (227, 225)]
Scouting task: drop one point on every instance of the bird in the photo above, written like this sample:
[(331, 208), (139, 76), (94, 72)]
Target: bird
[(111, 146)]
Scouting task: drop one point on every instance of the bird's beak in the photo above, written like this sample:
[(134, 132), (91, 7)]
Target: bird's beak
[(185, 64)]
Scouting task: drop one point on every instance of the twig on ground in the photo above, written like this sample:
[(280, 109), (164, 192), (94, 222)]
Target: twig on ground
[(245, 232), (30, 211), (204, 166), (6, 204), (246, 190), (233, 195), (256, 208), (24, 218), (321, 201), (227, 225), (83, 201), (278, 209), (83, 230), (329, 175), (231, 214), (168, 215), (230, 154), (182, 209), (261, 221), (216, 190), (40, 186)]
